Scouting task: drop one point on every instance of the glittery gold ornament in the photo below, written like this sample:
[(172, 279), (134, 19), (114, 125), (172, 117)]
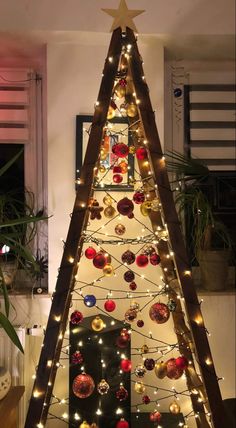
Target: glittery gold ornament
[(84, 425), (103, 387), (102, 169), (109, 212), (134, 305), (132, 110), (144, 349), (103, 154), (160, 369), (107, 200), (145, 207), (174, 408), (108, 270), (124, 167), (132, 150), (97, 324), (139, 387), (111, 113), (120, 229), (119, 90)]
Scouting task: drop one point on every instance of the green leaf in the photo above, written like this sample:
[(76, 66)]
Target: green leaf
[(10, 162), (5, 293), (10, 331)]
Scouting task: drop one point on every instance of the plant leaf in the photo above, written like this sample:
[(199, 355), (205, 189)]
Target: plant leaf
[(5, 293), (10, 331), (10, 162)]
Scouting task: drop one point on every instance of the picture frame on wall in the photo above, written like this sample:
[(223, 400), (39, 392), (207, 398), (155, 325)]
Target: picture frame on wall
[(117, 131)]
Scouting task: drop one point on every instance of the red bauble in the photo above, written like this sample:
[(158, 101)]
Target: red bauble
[(155, 416), (173, 372), (149, 364), (117, 178), (126, 365), (117, 169), (125, 206), (142, 260), (125, 333), (76, 317), (99, 261), (128, 257), (90, 253), (122, 394), (138, 197), (122, 342), (77, 358), (154, 259), (133, 286), (140, 323), (130, 215), (110, 305), (129, 276), (122, 424), (121, 150), (83, 385), (181, 362), (141, 153), (159, 312), (146, 399)]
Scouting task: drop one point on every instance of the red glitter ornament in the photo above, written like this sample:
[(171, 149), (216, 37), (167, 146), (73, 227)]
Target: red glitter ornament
[(126, 365), (181, 362), (83, 385), (146, 399), (149, 364), (125, 333), (122, 342), (121, 150), (140, 323), (125, 206), (155, 416), (123, 82), (133, 286), (122, 394), (110, 305), (122, 424), (130, 215), (138, 197), (76, 317), (172, 371), (129, 276), (142, 260), (90, 253), (154, 259), (141, 153), (117, 178), (159, 312), (77, 358), (128, 257), (117, 169), (99, 261)]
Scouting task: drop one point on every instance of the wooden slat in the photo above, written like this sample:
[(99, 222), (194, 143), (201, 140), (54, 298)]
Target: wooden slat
[(19, 134), (14, 115), (213, 97), (212, 134), (13, 97), (213, 115), (212, 125), (213, 87), (212, 106), (212, 143)]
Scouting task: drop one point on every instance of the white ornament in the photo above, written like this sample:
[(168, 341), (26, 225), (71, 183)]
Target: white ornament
[(5, 382)]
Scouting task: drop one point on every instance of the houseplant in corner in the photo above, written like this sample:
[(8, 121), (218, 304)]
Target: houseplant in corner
[(209, 240), (17, 230)]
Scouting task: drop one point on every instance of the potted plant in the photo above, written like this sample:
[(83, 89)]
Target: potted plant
[(210, 242), (17, 231)]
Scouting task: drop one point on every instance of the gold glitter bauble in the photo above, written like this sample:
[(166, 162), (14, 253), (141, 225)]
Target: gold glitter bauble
[(145, 207), (109, 212), (124, 167), (120, 229), (103, 154), (119, 90), (107, 200), (108, 270), (132, 110), (97, 324), (111, 113), (174, 408), (102, 169), (132, 150), (139, 387), (160, 369), (134, 305), (144, 349), (84, 425)]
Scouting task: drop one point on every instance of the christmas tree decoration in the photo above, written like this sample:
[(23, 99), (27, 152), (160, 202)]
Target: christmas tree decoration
[(108, 270), (134, 305), (93, 425), (77, 358), (125, 207), (110, 211), (107, 200), (159, 312), (172, 371), (119, 89), (121, 150), (155, 416), (149, 363), (103, 154), (126, 365), (103, 387), (122, 394), (145, 349), (111, 112), (146, 399), (174, 408), (142, 260), (117, 178), (131, 110), (139, 197), (132, 150), (141, 153), (130, 315), (102, 169), (133, 286), (99, 261), (76, 317), (109, 305), (84, 425), (181, 362), (90, 300), (154, 259), (161, 369), (122, 342), (140, 323), (124, 166), (171, 305), (129, 276), (95, 210), (97, 324), (145, 208), (122, 424), (139, 387), (120, 229), (83, 386), (90, 253), (116, 169), (140, 371), (128, 257)]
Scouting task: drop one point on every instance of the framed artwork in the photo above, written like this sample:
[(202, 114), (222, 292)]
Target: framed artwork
[(117, 131)]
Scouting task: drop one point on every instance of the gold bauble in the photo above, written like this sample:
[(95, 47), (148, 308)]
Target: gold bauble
[(144, 349), (139, 387), (144, 208), (134, 305), (109, 212), (119, 90), (124, 167), (103, 154), (102, 169), (111, 113), (84, 425), (132, 150), (160, 369), (97, 324), (132, 110), (174, 408), (108, 270), (107, 200)]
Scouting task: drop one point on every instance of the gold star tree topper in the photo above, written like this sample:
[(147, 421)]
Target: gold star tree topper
[(123, 17)]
